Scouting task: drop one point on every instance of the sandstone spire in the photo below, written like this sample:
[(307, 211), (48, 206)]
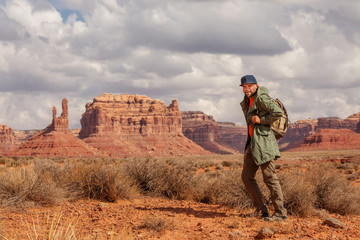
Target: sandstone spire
[(61, 123), (7, 139), (55, 140)]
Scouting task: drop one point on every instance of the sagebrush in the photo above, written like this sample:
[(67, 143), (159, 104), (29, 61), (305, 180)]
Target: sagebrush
[(307, 188)]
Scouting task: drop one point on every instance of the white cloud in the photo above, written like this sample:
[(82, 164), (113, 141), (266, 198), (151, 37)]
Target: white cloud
[(305, 52)]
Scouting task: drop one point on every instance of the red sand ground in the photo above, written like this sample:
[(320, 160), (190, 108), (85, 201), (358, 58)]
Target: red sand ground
[(186, 220)]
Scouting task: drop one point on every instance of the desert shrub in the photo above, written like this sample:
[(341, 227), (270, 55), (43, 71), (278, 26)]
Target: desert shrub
[(157, 224), (355, 158), (178, 180), (299, 197), (96, 179), (353, 176), (357, 167), (224, 188), (203, 187), (231, 190), (30, 184), (333, 191), (227, 163), (166, 178), (345, 166), (3, 159), (205, 163), (219, 167), (17, 161)]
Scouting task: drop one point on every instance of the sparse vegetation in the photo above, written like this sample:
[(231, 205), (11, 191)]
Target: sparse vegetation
[(51, 227), (157, 224), (33, 184), (298, 193), (334, 192), (307, 188), (96, 179)]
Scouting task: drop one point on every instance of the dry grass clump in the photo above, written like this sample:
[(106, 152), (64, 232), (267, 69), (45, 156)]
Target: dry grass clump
[(334, 192), (222, 187), (57, 227), (31, 184), (157, 224), (320, 187), (178, 180), (45, 182), (299, 197), (96, 179), (169, 178), (17, 161)]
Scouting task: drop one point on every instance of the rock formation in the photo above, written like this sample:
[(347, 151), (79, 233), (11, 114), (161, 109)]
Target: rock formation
[(338, 123), (233, 135), (302, 129), (134, 125), (297, 132), (203, 130), (331, 139), (7, 139), (55, 140)]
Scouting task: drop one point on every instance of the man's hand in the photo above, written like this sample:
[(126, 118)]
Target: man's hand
[(255, 119)]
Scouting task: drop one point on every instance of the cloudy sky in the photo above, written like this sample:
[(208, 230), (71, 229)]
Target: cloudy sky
[(307, 52)]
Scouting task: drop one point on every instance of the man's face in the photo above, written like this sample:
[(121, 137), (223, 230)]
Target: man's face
[(249, 89)]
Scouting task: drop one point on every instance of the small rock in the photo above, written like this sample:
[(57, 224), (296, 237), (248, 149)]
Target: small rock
[(235, 235), (333, 222), (265, 233)]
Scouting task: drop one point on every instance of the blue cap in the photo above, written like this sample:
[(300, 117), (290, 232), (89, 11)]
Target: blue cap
[(248, 79)]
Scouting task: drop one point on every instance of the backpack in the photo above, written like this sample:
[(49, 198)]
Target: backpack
[(280, 126)]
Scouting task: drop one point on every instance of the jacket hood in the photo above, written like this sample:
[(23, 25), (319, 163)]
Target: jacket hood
[(261, 91)]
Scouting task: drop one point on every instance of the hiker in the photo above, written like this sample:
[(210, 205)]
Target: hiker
[(261, 148)]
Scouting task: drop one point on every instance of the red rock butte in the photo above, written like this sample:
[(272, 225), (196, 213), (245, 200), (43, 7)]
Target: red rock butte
[(133, 125), (55, 140)]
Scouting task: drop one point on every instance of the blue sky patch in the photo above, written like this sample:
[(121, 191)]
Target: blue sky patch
[(65, 13)]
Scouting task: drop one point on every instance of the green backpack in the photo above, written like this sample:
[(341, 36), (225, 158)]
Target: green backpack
[(280, 126)]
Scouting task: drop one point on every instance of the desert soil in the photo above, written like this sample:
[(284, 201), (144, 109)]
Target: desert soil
[(176, 220)]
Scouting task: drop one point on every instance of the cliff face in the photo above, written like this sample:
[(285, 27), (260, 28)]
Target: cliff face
[(206, 132), (133, 125), (130, 115), (55, 140), (300, 130), (200, 127), (350, 122), (7, 139), (331, 139), (233, 135), (297, 132)]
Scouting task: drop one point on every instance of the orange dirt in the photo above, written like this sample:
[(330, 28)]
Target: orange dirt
[(186, 220)]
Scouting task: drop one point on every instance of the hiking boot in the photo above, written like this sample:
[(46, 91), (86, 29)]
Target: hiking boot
[(278, 218), (265, 216)]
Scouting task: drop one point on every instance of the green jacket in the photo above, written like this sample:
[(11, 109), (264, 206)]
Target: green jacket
[(263, 144)]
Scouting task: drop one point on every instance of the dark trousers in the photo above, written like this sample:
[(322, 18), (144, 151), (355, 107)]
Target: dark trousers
[(270, 179)]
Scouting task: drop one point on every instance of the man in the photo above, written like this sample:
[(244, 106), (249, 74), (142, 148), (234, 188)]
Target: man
[(261, 147)]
